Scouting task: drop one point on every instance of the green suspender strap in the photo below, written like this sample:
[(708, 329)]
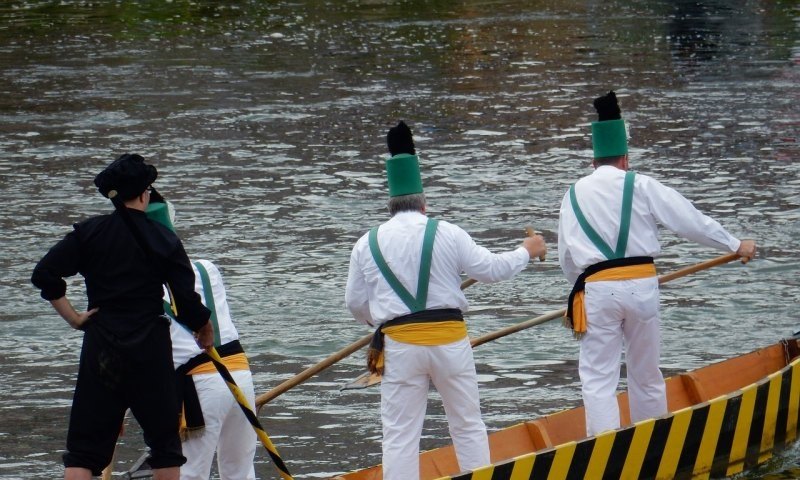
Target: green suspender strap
[(208, 294), (627, 208), (415, 304), (624, 224), (168, 310)]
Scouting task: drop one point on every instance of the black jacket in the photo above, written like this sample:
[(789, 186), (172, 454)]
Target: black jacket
[(123, 281)]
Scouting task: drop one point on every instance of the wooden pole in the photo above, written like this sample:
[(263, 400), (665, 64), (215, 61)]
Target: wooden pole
[(697, 267), (301, 377)]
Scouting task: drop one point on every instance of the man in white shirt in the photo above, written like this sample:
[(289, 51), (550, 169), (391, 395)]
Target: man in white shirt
[(212, 420), (425, 335), (607, 239)]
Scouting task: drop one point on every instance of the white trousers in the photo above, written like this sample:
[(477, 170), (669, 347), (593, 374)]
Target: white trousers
[(227, 431), (617, 313), (404, 398)]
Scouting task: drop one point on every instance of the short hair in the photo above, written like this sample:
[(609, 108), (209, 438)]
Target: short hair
[(407, 203), (609, 160)]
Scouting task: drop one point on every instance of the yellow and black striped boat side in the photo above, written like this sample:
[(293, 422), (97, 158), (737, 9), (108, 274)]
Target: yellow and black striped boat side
[(717, 438)]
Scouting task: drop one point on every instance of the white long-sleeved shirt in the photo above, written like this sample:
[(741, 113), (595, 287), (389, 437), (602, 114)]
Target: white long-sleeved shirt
[(599, 196), (372, 301), (184, 346)]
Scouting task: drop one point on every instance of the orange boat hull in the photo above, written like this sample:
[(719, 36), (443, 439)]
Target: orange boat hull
[(724, 418)]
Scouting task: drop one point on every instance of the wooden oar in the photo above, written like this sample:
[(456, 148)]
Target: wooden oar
[(301, 377), (367, 380), (109, 470), (682, 272)]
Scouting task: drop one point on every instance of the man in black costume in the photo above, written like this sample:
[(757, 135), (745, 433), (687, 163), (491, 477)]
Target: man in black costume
[(126, 358)]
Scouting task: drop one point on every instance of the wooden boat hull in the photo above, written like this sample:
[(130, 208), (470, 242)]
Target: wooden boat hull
[(724, 418)]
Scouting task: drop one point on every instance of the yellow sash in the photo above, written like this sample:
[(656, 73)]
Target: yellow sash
[(424, 333), (627, 272), (428, 333), (237, 361), (234, 362)]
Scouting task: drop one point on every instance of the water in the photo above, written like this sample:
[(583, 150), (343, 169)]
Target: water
[(267, 122)]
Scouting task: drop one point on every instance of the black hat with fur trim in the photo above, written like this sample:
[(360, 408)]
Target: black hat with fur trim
[(126, 178)]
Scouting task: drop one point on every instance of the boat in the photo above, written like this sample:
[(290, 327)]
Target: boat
[(724, 418)]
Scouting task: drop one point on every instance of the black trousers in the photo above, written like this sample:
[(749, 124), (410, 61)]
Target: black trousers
[(115, 375)]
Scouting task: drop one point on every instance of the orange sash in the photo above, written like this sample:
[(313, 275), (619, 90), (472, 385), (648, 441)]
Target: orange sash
[(578, 322)]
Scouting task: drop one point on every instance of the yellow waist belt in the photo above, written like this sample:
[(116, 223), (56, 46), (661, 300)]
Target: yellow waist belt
[(192, 422), (428, 333), (577, 322), (233, 362), (424, 333)]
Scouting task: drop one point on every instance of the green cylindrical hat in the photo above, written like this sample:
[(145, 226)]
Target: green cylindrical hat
[(402, 171), (609, 138), (159, 212)]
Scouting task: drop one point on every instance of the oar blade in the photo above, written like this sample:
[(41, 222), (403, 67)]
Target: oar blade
[(364, 380)]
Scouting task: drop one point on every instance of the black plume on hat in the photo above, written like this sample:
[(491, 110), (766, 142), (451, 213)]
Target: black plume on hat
[(156, 197), (607, 107), (128, 176), (399, 140)]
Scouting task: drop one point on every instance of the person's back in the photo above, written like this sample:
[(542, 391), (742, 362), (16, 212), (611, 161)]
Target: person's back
[(599, 197), (119, 278), (211, 288), (400, 240)]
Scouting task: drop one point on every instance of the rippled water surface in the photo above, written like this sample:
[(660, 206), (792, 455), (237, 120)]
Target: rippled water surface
[(266, 121)]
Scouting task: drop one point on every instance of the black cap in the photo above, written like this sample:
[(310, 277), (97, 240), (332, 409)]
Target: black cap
[(399, 140), (607, 107), (126, 178)]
